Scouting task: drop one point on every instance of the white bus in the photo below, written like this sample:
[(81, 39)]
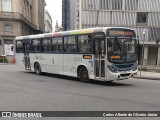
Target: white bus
[(106, 54)]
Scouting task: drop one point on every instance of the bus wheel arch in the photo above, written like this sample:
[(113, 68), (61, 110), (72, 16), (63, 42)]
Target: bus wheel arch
[(83, 74), (37, 68)]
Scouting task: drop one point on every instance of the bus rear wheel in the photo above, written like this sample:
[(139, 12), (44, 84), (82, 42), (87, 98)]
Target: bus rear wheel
[(37, 69), (83, 75)]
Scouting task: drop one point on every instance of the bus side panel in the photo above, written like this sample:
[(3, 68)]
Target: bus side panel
[(71, 63), (52, 63), (35, 58), (20, 59)]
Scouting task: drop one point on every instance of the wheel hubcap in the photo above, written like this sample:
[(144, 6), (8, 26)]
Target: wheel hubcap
[(37, 68), (84, 74)]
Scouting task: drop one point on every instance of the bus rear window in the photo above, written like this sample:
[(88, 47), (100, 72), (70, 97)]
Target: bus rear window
[(19, 46)]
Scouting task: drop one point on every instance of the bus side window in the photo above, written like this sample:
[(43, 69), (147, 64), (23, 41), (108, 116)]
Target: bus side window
[(32, 47), (70, 44), (36, 46), (60, 44), (46, 45), (57, 44), (84, 44), (54, 45)]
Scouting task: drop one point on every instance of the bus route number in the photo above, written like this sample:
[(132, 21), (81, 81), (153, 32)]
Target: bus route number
[(77, 59)]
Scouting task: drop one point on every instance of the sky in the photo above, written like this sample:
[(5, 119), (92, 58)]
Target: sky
[(54, 8)]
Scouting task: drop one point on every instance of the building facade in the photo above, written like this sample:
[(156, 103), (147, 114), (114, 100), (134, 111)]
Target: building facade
[(48, 22), (66, 15), (17, 18), (69, 14), (137, 14), (58, 28)]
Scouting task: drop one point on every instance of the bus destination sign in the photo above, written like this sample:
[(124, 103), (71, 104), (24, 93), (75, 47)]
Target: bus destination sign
[(120, 33)]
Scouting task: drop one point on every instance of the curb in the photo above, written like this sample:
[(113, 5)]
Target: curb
[(147, 78), (6, 64)]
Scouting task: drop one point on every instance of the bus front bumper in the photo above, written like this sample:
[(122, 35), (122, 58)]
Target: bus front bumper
[(121, 75)]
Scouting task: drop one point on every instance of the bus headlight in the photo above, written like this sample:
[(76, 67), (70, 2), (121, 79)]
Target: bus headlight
[(112, 69), (134, 68)]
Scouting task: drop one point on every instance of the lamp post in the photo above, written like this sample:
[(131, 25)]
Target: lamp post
[(144, 32), (157, 43), (79, 15), (91, 11)]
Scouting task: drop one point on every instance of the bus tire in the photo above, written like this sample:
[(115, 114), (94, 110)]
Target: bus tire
[(83, 75), (37, 68)]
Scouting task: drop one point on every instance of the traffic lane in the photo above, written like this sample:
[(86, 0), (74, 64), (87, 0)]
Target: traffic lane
[(26, 91)]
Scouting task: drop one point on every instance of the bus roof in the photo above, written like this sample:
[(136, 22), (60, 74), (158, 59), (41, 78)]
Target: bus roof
[(65, 33), (76, 32), (34, 36), (85, 31)]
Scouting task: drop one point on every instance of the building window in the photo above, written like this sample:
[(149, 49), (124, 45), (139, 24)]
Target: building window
[(111, 4), (30, 13), (7, 28), (22, 30), (6, 4), (142, 17), (0, 42), (117, 4), (8, 41)]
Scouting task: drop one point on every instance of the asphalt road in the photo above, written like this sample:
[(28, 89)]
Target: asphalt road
[(24, 91)]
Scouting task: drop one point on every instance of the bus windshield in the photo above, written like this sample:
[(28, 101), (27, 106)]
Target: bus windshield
[(122, 50)]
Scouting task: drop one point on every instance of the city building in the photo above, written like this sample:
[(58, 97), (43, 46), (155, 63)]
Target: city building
[(69, 14), (58, 28), (66, 18), (141, 15), (17, 18), (48, 22)]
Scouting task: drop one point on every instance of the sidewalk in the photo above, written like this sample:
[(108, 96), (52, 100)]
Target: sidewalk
[(7, 63), (148, 75)]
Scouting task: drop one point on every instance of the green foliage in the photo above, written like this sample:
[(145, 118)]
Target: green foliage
[(5, 60)]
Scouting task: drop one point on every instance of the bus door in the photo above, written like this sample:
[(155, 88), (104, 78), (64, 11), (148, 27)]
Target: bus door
[(100, 53), (26, 46)]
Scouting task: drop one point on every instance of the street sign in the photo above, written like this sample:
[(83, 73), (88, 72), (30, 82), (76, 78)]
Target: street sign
[(9, 50), (144, 32)]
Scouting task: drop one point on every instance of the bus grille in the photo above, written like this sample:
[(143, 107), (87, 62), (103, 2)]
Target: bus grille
[(125, 66), (125, 75)]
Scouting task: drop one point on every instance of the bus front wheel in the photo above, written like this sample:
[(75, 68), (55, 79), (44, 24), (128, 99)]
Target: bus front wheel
[(37, 69), (83, 75)]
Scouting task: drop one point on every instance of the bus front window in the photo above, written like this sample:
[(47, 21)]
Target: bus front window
[(122, 50)]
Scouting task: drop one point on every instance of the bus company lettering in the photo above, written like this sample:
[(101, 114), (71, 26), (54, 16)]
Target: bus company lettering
[(108, 115), (27, 114), (77, 59), (39, 57), (152, 114), (34, 115), (139, 114), (121, 114)]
